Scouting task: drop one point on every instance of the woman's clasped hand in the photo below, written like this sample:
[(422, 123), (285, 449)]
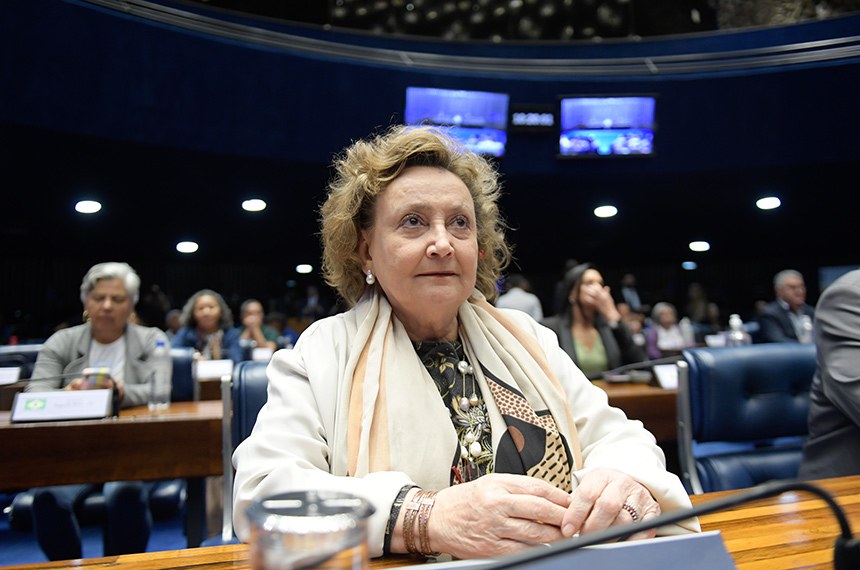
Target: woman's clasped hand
[(500, 513)]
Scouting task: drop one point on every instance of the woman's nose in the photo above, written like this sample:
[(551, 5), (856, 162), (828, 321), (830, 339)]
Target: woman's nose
[(440, 243)]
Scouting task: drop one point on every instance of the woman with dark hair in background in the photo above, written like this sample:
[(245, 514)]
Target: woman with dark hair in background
[(207, 325), (589, 326)]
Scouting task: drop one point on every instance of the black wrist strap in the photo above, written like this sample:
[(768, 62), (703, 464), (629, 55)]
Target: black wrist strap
[(392, 519)]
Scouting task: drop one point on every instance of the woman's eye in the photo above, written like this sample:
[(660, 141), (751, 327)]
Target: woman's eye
[(460, 222), (411, 221)]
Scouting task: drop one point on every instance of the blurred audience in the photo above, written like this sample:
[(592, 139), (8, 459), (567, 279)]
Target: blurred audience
[(697, 303), (787, 318), (589, 327), (172, 323), (519, 296), (207, 325)]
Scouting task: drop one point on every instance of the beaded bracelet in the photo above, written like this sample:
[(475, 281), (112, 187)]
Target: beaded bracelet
[(392, 519)]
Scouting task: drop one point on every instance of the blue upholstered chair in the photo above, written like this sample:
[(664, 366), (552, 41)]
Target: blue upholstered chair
[(21, 355), (166, 498), (742, 414), (243, 395)]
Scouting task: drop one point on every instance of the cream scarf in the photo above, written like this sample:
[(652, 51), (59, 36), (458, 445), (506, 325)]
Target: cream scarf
[(396, 420)]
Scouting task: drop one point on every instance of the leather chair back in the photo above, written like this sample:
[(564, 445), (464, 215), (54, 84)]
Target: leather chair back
[(183, 375), (20, 355), (243, 397), (742, 414)]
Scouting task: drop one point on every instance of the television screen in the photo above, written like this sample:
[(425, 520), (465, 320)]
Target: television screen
[(476, 118), (607, 126)]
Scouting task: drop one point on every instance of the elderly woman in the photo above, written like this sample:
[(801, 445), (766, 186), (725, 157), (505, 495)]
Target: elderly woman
[(207, 325), (664, 337), (590, 328), (109, 292), (425, 394)]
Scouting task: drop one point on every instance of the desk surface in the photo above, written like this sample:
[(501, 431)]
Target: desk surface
[(790, 531), (655, 407), (183, 441)]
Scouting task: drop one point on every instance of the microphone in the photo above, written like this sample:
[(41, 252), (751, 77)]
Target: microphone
[(846, 552)]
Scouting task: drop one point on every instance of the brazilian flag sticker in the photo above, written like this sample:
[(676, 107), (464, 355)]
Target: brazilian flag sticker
[(35, 404)]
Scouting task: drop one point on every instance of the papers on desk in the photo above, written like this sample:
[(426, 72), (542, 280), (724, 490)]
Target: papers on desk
[(9, 374), (703, 551), (61, 405)]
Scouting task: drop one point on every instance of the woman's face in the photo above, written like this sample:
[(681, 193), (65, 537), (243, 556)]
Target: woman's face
[(668, 317), (423, 249), (207, 313), (589, 286), (109, 307)]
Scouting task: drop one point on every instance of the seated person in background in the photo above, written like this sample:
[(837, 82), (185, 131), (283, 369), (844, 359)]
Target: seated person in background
[(172, 323), (425, 392), (207, 325), (589, 328), (782, 319), (518, 296), (253, 329), (664, 337), (635, 321), (287, 337), (109, 292), (833, 446)]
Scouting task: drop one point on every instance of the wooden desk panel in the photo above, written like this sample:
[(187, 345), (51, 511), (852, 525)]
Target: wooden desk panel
[(183, 441), (790, 531), (652, 405)]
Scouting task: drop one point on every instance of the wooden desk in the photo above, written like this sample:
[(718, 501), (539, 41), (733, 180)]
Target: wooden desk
[(181, 442), (785, 532), (652, 405)]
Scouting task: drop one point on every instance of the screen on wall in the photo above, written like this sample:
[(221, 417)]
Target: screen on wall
[(594, 126), (478, 119)]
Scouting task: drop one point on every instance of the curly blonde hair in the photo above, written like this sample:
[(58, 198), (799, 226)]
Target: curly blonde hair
[(365, 169)]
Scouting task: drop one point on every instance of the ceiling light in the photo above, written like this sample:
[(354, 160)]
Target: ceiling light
[(254, 205), (768, 203), (304, 268), (689, 265), (699, 246), (88, 206), (605, 211), (187, 247)]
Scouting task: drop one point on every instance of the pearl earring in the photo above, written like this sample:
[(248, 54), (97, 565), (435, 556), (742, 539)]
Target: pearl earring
[(370, 279)]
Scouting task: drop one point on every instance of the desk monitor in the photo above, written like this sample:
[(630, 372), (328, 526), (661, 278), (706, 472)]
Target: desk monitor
[(478, 119), (606, 126)]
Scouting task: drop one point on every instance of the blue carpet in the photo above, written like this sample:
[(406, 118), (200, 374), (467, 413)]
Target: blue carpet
[(19, 547)]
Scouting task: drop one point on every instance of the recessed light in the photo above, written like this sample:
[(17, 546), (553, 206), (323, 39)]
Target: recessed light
[(304, 268), (88, 206), (605, 211), (254, 205), (187, 247), (699, 246), (689, 265), (768, 203)]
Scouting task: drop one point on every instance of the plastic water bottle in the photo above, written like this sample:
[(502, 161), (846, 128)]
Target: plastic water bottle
[(737, 336), (805, 336), (687, 332), (160, 383)]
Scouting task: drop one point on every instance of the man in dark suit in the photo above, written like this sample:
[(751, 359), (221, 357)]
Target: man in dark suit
[(789, 317), (833, 446)]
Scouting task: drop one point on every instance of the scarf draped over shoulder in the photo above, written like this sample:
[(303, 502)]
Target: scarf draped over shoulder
[(395, 419)]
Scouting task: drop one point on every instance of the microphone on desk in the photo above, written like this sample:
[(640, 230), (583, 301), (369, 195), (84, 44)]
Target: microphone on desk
[(846, 552)]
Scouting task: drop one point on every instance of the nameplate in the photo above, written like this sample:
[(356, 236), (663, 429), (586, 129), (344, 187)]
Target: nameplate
[(704, 551), (61, 405), (9, 374), (262, 354), (208, 369), (667, 375)]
